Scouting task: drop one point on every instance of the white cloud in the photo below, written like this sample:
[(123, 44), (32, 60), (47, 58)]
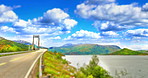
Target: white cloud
[(54, 38), (35, 30), (7, 29), (54, 21), (145, 7), (137, 33), (119, 14), (109, 26), (109, 34), (21, 23), (99, 1), (69, 23), (83, 35), (52, 17), (136, 47), (7, 14)]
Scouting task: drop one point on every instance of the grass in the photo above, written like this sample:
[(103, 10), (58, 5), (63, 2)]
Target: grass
[(11, 46), (56, 66)]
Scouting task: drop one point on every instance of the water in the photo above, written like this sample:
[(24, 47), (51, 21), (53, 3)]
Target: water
[(134, 66)]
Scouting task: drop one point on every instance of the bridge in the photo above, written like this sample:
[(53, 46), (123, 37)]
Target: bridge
[(21, 65)]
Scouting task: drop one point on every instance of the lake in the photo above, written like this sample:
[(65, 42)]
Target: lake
[(131, 66)]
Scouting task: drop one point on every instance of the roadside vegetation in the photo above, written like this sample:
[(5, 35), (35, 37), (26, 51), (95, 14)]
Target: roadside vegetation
[(57, 67)]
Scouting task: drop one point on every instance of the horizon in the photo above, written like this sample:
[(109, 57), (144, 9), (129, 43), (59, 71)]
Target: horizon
[(58, 22)]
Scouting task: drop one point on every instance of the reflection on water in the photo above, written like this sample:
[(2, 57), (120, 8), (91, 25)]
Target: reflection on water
[(127, 66)]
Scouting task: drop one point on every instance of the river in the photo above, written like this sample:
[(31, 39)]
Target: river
[(130, 66)]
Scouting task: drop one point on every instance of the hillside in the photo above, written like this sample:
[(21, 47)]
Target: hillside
[(86, 49), (126, 51), (23, 42), (56, 66), (11, 46)]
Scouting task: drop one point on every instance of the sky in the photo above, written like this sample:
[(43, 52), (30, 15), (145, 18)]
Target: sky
[(58, 22)]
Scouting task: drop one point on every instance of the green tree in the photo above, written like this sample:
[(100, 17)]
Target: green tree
[(93, 70)]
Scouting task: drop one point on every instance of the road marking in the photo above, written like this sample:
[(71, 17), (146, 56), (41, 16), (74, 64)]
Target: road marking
[(14, 59), (29, 71), (2, 64), (17, 58)]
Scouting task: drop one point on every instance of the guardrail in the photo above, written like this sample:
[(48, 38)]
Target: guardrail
[(40, 67)]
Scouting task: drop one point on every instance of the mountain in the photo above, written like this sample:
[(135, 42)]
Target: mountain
[(11, 46), (126, 51), (85, 49), (68, 44), (27, 43), (22, 42), (143, 51)]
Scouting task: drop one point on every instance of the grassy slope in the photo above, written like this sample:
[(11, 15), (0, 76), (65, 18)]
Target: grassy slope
[(126, 51), (56, 66), (87, 49), (10, 46)]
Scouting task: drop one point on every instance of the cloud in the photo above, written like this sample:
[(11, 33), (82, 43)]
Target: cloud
[(137, 33), (69, 23), (136, 47), (109, 34), (54, 21), (109, 26), (16, 6), (145, 7), (83, 35), (7, 29), (7, 14), (54, 38), (52, 17), (123, 15), (99, 1), (21, 23), (33, 30)]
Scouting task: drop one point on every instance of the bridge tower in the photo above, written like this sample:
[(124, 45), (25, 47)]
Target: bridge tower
[(33, 45)]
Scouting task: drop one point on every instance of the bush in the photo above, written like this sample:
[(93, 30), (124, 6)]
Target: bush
[(93, 70)]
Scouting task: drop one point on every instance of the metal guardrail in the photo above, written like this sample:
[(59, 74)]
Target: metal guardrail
[(40, 67)]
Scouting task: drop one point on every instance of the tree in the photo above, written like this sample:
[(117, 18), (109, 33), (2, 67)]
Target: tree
[(93, 70)]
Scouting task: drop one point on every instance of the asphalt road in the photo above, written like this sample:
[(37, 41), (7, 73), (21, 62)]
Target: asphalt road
[(12, 52), (17, 66)]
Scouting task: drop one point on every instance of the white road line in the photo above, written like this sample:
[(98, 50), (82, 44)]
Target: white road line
[(26, 76)]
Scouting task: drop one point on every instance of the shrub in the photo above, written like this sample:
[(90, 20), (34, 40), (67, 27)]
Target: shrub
[(93, 70)]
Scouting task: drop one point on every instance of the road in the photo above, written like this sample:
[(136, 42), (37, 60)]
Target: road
[(13, 52), (17, 66)]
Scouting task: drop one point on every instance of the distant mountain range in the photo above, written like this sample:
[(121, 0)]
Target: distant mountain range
[(27, 43), (11, 46), (22, 42), (126, 51), (78, 49)]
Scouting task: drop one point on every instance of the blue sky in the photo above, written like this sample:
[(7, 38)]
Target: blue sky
[(105, 22)]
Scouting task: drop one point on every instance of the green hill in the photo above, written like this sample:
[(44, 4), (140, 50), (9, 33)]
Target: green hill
[(11, 46), (86, 49), (126, 51)]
